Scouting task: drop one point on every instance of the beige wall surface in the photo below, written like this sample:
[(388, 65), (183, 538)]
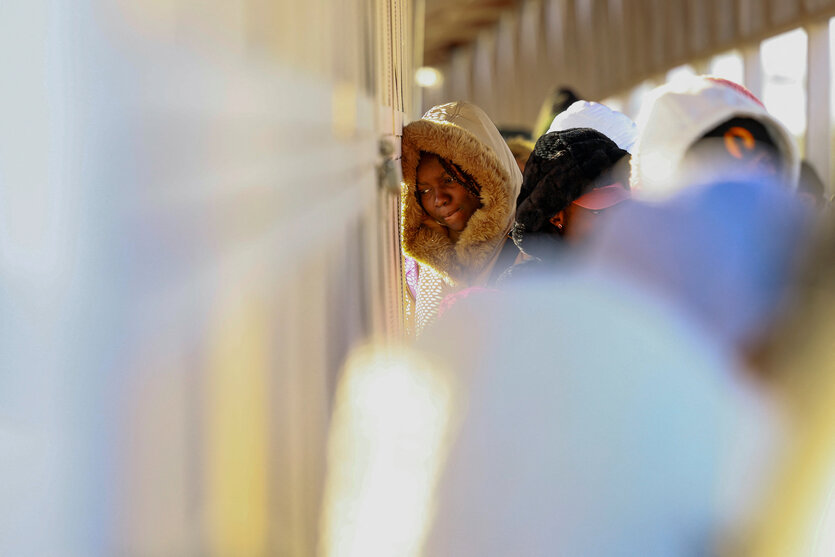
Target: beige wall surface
[(603, 48), (194, 238)]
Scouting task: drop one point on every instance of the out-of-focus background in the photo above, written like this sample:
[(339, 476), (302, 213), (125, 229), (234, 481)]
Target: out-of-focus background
[(199, 221), (192, 236)]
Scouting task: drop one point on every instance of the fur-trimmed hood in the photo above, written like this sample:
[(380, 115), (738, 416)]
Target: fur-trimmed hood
[(462, 133), (677, 114)]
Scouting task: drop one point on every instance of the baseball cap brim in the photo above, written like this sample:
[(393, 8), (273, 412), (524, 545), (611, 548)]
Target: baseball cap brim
[(603, 198)]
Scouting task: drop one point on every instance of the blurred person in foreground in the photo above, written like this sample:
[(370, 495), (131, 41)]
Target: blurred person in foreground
[(460, 182), (608, 408), (799, 517), (727, 254), (702, 129), (602, 411)]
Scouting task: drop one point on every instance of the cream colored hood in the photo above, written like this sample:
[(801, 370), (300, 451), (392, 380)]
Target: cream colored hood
[(464, 134)]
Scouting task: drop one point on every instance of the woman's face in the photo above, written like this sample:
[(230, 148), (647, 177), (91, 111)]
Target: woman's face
[(577, 223), (444, 198), (581, 222)]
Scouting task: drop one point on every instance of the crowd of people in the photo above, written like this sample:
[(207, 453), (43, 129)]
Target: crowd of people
[(463, 203), (636, 314)]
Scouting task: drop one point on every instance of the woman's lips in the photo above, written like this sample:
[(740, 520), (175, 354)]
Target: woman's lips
[(450, 215)]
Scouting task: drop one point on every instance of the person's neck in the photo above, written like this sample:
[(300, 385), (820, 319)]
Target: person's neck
[(454, 235)]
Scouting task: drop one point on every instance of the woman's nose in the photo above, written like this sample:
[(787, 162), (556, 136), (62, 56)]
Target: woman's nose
[(441, 198)]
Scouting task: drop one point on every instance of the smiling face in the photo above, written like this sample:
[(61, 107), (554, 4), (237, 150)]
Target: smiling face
[(443, 196)]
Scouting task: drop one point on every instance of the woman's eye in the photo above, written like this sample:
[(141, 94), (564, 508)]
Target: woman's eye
[(449, 180)]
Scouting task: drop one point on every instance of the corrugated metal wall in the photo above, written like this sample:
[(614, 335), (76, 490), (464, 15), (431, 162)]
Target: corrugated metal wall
[(604, 47), (194, 238)]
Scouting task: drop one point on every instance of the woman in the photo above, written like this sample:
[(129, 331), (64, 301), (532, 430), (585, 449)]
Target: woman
[(571, 178), (460, 183)]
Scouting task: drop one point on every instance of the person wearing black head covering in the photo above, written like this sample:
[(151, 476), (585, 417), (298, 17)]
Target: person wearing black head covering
[(571, 177)]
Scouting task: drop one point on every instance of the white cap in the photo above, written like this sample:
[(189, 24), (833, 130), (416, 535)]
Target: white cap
[(615, 125)]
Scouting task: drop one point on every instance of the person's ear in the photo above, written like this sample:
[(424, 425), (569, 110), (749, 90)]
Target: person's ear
[(558, 220)]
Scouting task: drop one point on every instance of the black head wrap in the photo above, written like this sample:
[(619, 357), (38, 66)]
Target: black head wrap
[(562, 167)]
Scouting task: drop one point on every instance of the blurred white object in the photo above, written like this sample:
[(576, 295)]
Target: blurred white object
[(390, 433), (599, 422), (429, 77), (724, 253), (613, 124), (172, 195)]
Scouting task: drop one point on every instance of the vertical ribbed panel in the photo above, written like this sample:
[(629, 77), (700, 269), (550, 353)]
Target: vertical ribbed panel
[(602, 47)]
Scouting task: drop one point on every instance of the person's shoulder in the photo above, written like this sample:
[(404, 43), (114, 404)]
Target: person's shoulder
[(522, 272)]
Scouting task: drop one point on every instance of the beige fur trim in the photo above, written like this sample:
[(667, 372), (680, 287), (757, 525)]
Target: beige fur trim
[(464, 260)]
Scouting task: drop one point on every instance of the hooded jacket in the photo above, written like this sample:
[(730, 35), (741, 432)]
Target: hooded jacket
[(462, 133), (676, 115)]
